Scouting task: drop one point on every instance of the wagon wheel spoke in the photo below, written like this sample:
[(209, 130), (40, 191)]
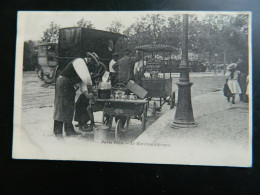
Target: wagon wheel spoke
[(172, 100), (127, 122), (144, 117), (117, 129)]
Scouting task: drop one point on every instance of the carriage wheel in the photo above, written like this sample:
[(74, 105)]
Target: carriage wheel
[(144, 117), (99, 71), (48, 80), (127, 122), (172, 100), (117, 129), (39, 72), (56, 73), (107, 120), (103, 118)]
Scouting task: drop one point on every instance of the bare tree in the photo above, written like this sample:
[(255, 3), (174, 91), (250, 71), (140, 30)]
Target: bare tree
[(116, 26), (84, 24)]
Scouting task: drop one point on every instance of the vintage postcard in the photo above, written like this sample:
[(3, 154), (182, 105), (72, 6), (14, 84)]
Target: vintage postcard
[(162, 87)]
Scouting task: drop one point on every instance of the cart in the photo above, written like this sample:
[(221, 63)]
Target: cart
[(157, 63), (136, 109), (47, 62)]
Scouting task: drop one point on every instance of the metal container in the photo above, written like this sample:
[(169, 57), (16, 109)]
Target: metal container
[(100, 133), (104, 90)]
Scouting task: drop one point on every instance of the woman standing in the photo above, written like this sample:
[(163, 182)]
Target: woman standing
[(232, 76)]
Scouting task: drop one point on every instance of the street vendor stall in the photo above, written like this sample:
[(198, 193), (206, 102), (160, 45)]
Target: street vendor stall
[(136, 109), (156, 86), (120, 104)]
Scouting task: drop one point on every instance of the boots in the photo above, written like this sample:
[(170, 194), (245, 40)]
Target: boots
[(69, 130), (233, 99), (228, 99)]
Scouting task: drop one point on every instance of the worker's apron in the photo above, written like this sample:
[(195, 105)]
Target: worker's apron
[(64, 100)]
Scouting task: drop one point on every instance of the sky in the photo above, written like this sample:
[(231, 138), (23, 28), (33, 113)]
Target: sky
[(32, 24), (35, 23)]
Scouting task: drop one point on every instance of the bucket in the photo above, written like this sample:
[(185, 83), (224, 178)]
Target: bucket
[(100, 133)]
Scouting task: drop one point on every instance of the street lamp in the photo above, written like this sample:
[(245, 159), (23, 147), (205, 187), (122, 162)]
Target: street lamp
[(184, 113)]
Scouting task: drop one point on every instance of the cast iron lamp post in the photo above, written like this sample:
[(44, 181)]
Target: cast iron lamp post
[(184, 113)]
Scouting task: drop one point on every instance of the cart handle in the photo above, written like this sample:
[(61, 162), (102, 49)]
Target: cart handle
[(120, 85)]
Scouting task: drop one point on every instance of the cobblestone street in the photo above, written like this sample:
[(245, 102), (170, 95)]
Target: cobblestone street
[(214, 136), (38, 97)]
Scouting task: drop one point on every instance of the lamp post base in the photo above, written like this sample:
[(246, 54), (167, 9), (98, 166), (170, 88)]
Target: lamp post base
[(177, 125)]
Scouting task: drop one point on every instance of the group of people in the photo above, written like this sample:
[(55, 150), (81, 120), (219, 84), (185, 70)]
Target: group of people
[(77, 75), (237, 81), (126, 68)]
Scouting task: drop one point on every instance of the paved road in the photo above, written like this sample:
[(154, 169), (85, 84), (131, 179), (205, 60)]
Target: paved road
[(37, 101), (36, 94), (207, 142)]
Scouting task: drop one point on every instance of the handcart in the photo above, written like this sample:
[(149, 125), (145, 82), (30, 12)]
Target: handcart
[(122, 105), (157, 60), (136, 109), (47, 62)]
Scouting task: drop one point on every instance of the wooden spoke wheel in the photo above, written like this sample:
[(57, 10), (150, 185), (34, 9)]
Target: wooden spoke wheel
[(39, 72), (56, 73), (107, 120), (99, 71), (172, 100), (48, 80), (117, 129), (144, 117), (103, 119), (127, 122)]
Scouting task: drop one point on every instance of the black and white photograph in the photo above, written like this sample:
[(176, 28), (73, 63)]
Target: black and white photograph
[(160, 87)]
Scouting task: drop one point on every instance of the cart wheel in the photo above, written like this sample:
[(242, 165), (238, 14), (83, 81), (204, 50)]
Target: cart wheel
[(172, 100), (127, 122), (103, 118), (39, 72), (110, 122), (48, 80), (99, 71), (56, 73), (117, 129), (144, 117), (106, 120)]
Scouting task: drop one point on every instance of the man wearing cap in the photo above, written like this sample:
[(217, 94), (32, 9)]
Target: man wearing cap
[(113, 74), (76, 72), (125, 66)]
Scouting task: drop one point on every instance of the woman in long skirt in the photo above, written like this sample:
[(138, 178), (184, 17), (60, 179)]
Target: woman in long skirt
[(232, 76)]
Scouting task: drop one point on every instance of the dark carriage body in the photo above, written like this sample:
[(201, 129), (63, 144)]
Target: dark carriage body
[(76, 41)]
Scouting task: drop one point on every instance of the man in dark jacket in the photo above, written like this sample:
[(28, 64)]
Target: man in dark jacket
[(125, 66), (76, 72)]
